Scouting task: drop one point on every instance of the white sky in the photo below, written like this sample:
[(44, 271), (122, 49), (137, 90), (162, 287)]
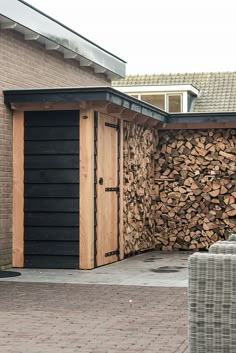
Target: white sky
[(166, 36)]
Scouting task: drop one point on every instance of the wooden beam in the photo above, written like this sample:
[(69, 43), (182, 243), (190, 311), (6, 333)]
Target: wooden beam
[(85, 105), (96, 105), (107, 108), (100, 107), (140, 119), (86, 249), (152, 122), (121, 200), (47, 106), (18, 190), (114, 109), (129, 115)]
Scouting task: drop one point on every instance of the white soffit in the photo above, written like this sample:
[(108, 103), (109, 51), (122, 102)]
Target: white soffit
[(161, 89), (35, 25)]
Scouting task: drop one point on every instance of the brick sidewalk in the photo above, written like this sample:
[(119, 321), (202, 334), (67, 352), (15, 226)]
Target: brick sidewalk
[(69, 318)]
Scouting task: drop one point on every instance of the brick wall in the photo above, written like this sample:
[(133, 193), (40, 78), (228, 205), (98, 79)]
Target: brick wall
[(27, 64)]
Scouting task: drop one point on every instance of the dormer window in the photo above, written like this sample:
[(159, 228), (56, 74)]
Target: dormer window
[(172, 99), (169, 102)]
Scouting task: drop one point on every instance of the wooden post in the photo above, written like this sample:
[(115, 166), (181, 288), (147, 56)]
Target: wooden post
[(18, 190), (86, 250), (121, 230)]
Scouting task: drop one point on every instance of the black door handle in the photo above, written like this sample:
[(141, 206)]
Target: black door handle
[(100, 181)]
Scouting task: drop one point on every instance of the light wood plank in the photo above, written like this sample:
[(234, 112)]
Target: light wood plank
[(86, 249), (18, 190), (121, 199), (38, 106), (107, 202)]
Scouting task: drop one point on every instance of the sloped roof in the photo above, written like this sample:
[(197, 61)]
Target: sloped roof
[(217, 89)]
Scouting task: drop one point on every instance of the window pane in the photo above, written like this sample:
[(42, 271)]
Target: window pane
[(157, 99), (174, 104)]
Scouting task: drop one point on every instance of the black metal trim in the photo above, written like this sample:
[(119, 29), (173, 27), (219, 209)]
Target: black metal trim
[(111, 253), (197, 118), (79, 184), (116, 97), (95, 186), (112, 95), (118, 194), (114, 126), (116, 189), (107, 94)]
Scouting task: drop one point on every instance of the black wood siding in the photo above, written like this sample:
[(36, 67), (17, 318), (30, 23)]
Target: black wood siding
[(51, 195)]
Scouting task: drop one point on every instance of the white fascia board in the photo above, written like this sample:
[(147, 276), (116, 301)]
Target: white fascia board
[(161, 89), (185, 103), (26, 18)]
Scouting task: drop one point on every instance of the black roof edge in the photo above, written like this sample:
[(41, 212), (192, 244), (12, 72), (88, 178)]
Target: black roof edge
[(110, 94), (104, 93), (207, 117)]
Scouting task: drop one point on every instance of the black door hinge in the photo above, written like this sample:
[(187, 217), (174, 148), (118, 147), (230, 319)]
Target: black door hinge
[(114, 126), (116, 189), (111, 253)]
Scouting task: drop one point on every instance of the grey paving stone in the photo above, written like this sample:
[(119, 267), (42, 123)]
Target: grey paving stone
[(69, 318)]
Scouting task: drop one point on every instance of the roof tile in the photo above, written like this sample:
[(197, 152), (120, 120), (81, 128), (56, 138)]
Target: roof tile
[(217, 89)]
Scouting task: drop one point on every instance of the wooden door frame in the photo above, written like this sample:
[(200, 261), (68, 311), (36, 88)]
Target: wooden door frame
[(18, 190), (87, 176)]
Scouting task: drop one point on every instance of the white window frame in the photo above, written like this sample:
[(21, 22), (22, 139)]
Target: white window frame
[(166, 96), (162, 90), (174, 95)]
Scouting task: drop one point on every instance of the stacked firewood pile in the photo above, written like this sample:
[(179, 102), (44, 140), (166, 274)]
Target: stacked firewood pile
[(139, 224), (195, 176)]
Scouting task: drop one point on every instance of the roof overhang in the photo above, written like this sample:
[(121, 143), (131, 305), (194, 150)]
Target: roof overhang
[(102, 99), (201, 120), (35, 25), (115, 103)]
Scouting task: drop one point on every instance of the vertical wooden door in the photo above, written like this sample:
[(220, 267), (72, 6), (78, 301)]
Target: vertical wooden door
[(107, 195)]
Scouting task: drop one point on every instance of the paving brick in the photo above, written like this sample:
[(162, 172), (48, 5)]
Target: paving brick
[(68, 318)]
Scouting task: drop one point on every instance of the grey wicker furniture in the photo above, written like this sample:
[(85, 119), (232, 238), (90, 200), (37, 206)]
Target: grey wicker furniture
[(212, 303)]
